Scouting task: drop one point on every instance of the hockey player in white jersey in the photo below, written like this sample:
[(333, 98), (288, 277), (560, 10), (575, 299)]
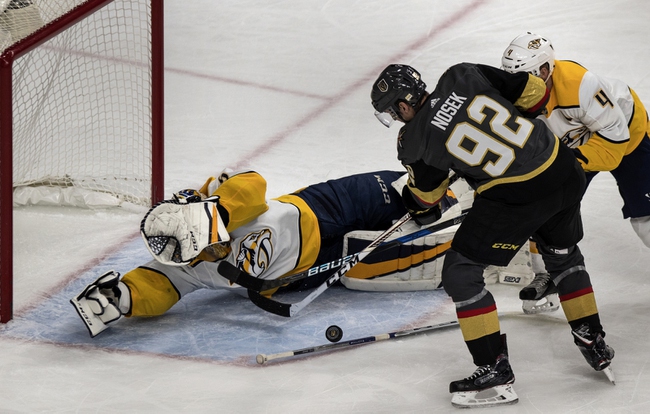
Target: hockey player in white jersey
[(229, 219), (603, 121)]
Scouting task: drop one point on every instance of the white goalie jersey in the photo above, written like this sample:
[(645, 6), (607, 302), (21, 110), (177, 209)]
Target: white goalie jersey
[(267, 240)]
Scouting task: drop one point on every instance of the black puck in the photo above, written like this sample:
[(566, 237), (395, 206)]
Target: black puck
[(334, 333)]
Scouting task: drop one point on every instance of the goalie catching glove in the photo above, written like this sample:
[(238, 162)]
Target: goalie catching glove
[(176, 231)]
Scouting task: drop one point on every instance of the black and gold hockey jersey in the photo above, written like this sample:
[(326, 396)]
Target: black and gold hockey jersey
[(473, 124)]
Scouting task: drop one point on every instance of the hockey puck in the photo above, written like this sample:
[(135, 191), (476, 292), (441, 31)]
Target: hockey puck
[(334, 333)]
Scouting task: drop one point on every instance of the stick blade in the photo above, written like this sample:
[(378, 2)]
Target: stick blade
[(237, 276), (269, 305)]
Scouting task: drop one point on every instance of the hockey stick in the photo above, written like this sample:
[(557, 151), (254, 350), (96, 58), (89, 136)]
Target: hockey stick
[(238, 276), (290, 309), (241, 278), (264, 358)]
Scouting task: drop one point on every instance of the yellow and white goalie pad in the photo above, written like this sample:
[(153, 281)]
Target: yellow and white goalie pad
[(417, 265)]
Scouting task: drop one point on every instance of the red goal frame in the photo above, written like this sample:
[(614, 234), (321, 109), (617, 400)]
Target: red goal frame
[(6, 126)]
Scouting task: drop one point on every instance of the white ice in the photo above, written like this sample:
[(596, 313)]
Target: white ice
[(283, 87)]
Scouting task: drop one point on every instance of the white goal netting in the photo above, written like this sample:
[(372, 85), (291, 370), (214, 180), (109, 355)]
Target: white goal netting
[(81, 114)]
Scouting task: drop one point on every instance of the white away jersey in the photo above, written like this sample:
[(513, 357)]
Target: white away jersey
[(592, 113)]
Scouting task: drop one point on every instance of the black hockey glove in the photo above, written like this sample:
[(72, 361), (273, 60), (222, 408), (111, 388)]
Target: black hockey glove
[(422, 216)]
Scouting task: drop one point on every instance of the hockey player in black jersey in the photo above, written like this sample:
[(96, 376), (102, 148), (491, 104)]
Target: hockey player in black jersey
[(479, 122)]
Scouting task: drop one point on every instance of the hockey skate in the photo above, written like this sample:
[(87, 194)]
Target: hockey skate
[(488, 386), (597, 353), (540, 295)]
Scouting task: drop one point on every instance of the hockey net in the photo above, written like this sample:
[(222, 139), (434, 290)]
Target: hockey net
[(80, 108)]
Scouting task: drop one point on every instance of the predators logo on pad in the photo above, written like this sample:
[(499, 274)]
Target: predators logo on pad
[(255, 253)]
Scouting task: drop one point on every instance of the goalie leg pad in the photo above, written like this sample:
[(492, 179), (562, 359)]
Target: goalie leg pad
[(418, 265), (411, 266)]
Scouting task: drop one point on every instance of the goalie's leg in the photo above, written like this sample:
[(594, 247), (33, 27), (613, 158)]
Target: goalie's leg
[(102, 302)]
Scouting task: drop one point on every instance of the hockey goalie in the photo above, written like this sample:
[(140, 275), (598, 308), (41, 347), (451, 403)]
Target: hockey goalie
[(229, 220)]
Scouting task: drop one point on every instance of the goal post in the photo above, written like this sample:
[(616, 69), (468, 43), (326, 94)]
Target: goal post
[(81, 108)]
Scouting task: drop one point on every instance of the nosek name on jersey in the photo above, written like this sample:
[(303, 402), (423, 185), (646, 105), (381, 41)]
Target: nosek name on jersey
[(449, 108)]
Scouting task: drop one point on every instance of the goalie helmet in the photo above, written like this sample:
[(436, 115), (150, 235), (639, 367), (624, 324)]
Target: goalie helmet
[(397, 83), (527, 53)]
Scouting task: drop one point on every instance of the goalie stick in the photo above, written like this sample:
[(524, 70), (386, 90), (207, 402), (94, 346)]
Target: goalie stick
[(238, 276), (290, 309), (264, 358)]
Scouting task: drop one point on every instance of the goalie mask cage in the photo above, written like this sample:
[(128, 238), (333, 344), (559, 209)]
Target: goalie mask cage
[(81, 106)]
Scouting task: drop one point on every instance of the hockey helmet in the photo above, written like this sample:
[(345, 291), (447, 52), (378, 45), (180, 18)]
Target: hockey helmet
[(397, 83), (527, 53)]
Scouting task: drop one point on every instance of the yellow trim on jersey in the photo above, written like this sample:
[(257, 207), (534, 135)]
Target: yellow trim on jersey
[(525, 177), (243, 196), (479, 326), (565, 92), (579, 307), (152, 293), (603, 155), (533, 93), (309, 232)]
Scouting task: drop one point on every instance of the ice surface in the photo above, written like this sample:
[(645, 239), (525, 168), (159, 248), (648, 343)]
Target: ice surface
[(283, 87)]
